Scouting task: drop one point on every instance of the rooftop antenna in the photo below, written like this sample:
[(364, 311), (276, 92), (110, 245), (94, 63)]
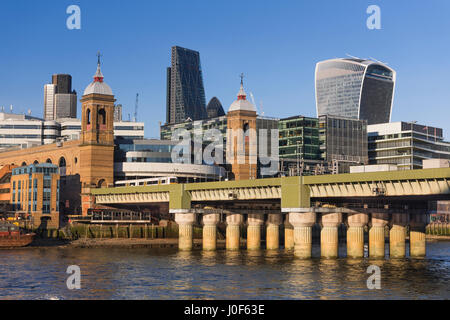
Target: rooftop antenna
[(136, 107), (11, 108), (99, 55), (373, 59), (348, 55), (261, 107)]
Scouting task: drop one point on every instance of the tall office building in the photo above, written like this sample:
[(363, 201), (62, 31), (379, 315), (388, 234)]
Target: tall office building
[(118, 112), (355, 88), (185, 91), (49, 101), (63, 83), (59, 99)]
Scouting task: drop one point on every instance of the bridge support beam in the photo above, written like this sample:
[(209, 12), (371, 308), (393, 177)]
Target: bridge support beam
[(376, 235), (288, 234), (417, 224), (185, 223), (210, 221), (233, 234), (255, 221), (302, 223), (397, 235), (273, 231), (355, 234), (329, 241)]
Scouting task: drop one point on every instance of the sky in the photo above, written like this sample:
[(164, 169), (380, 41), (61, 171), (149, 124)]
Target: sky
[(276, 44)]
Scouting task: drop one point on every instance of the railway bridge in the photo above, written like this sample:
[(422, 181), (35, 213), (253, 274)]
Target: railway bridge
[(377, 199)]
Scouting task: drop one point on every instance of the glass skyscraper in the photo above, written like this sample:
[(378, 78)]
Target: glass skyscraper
[(185, 91), (355, 88)]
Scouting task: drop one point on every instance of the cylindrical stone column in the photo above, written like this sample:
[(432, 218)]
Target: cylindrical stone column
[(397, 235), (417, 225), (273, 231), (255, 222), (302, 223), (376, 235), (329, 242), (185, 223), (233, 233), (210, 221), (355, 234), (288, 234)]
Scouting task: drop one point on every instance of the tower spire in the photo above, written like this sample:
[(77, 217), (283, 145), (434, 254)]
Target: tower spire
[(98, 77), (242, 95)]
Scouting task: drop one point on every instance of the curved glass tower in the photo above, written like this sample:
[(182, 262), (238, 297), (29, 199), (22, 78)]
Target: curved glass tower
[(355, 88)]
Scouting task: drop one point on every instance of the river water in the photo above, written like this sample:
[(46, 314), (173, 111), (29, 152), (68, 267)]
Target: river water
[(40, 273)]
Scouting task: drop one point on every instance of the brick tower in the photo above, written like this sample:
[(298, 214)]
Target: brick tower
[(241, 137)]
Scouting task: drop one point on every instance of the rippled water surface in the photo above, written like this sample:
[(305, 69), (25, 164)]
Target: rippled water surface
[(40, 273)]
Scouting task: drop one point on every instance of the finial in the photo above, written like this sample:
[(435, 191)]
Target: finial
[(242, 79), (98, 57)]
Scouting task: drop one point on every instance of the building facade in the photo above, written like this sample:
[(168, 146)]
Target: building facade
[(406, 144), (35, 193), (343, 143), (355, 88), (60, 101), (185, 90)]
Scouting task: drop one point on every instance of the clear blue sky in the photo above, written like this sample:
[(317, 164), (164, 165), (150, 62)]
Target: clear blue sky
[(275, 43)]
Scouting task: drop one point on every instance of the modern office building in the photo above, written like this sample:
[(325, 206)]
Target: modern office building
[(355, 88), (214, 108), (343, 143), (406, 144), (299, 138), (152, 158), (49, 101), (63, 83), (60, 101), (35, 192), (185, 91), (117, 113)]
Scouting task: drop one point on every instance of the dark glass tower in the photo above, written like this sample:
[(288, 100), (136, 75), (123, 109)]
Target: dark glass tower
[(214, 108), (185, 91), (63, 83)]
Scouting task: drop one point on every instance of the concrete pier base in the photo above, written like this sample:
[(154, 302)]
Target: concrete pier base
[(397, 235), (355, 234), (376, 235), (210, 231), (329, 235), (288, 234), (302, 223), (255, 222), (233, 233), (273, 232), (185, 223), (417, 243)]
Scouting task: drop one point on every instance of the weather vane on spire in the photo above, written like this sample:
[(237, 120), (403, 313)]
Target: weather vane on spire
[(242, 79), (99, 55)]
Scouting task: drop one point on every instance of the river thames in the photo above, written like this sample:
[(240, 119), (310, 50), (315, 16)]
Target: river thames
[(40, 273)]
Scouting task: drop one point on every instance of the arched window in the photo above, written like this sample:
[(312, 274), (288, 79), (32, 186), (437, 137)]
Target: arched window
[(24, 164), (101, 117), (48, 161), (101, 183), (36, 162), (62, 166), (88, 116), (62, 162)]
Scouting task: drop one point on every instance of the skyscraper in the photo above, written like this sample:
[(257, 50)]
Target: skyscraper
[(355, 88), (59, 99), (185, 91)]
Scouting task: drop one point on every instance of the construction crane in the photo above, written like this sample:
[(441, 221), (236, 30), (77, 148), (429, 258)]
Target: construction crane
[(136, 107)]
